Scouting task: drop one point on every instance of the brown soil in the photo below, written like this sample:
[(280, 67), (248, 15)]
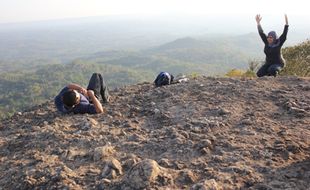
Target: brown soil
[(208, 133)]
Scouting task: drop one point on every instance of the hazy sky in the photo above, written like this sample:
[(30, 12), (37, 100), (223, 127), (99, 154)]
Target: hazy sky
[(31, 10)]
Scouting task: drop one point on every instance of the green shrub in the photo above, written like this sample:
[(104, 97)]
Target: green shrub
[(297, 60)]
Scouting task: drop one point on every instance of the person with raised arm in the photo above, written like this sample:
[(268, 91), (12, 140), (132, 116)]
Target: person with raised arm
[(274, 61)]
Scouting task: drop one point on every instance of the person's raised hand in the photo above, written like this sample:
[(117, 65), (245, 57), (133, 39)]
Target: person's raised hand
[(286, 20), (258, 18)]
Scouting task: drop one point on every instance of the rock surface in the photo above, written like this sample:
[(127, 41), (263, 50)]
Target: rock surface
[(207, 133)]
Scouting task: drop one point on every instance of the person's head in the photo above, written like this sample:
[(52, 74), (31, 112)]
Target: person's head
[(272, 37), (71, 98)]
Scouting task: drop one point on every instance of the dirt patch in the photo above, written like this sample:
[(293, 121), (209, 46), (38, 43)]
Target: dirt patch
[(208, 133)]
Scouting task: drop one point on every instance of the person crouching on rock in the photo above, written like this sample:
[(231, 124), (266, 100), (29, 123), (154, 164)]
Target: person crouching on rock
[(274, 60), (163, 78), (75, 99)]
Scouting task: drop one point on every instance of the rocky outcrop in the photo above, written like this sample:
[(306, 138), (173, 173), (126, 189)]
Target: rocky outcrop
[(207, 133)]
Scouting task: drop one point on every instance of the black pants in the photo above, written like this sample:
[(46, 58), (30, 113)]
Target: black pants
[(269, 70), (97, 84)]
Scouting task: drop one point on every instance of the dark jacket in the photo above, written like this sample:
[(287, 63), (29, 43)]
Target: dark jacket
[(273, 52)]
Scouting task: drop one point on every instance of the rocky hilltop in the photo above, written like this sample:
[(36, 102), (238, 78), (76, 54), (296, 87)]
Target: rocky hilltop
[(207, 133)]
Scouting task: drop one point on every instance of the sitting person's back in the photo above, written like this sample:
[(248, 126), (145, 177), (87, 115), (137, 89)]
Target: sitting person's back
[(163, 78)]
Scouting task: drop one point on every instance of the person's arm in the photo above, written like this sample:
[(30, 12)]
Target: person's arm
[(95, 101), (77, 88), (261, 33), (284, 34)]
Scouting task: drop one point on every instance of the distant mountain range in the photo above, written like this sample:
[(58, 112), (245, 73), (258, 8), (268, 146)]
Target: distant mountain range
[(65, 40), (205, 55)]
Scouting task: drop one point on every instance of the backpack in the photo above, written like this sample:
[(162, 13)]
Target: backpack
[(163, 78)]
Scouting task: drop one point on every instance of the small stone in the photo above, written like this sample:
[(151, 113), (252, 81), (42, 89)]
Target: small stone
[(205, 144), (217, 159), (72, 153), (156, 111), (127, 124), (246, 122), (165, 162), (105, 180), (204, 151), (187, 176), (223, 111), (142, 174), (292, 174), (210, 184), (298, 111), (196, 129), (101, 152), (116, 165), (123, 132), (92, 121), (113, 174), (129, 163), (36, 128), (118, 114)]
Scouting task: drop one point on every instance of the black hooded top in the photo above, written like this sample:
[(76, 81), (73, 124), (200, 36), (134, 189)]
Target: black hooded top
[(273, 52)]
